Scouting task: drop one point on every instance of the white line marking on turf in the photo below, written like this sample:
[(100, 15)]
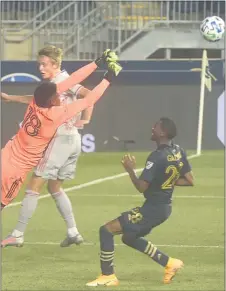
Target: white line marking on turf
[(97, 244), (94, 182), (194, 196), (141, 197)]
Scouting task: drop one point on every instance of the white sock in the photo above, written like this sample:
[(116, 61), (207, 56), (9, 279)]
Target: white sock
[(27, 209), (73, 231), (64, 206), (17, 233)]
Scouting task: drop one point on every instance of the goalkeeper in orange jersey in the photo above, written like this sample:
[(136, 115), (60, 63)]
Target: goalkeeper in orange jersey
[(42, 118)]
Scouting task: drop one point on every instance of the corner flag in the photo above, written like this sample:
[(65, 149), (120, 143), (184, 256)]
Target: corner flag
[(206, 72), (206, 75), (206, 82)]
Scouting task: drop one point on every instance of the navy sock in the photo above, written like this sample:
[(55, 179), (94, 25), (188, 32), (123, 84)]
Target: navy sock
[(146, 247), (106, 251)]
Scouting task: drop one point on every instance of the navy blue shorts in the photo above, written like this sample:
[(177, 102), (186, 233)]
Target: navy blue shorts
[(139, 221)]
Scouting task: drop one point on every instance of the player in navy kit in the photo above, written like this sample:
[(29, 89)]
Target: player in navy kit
[(165, 167)]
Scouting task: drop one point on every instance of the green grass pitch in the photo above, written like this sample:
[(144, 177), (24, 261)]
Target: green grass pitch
[(194, 232)]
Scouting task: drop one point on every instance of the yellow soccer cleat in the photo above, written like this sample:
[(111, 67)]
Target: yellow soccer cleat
[(104, 280), (171, 269)]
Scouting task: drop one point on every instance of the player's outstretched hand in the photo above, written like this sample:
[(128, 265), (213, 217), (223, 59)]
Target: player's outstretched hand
[(129, 163), (4, 97), (107, 57), (113, 71)]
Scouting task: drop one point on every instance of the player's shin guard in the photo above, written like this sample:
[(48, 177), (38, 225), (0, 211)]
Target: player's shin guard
[(147, 248), (106, 251)]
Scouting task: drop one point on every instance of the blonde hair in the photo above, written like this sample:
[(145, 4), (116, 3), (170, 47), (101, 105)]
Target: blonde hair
[(54, 53)]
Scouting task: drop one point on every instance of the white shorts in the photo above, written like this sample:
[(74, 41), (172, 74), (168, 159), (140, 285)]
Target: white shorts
[(60, 158)]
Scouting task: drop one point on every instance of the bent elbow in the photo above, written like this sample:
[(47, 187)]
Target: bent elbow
[(142, 189)]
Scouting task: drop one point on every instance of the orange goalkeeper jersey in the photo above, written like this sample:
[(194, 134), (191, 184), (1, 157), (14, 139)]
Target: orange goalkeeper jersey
[(40, 124), (38, 128)]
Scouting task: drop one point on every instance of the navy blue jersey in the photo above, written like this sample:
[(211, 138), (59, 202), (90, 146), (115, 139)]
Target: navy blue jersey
[(163, 167)]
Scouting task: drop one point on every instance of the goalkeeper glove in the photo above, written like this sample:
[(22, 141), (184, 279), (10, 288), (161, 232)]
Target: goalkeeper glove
[(107, 57), (114, 69)]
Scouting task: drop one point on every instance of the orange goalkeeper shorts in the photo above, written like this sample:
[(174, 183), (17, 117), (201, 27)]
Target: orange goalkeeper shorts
[(12, 178)]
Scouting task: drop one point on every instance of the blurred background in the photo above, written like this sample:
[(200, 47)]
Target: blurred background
[(83, 29), (158, 42)]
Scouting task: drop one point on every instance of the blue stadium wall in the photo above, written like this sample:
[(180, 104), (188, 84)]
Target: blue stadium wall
[(134, 72), (145, 91)]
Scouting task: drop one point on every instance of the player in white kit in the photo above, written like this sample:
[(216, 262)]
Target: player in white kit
[(60, 158)]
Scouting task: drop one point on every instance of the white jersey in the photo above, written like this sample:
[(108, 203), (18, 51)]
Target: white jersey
[(60, 158), (68, 128)]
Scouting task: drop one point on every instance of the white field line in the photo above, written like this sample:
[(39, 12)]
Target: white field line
[(97, 244), (94, 182), (98, 181), (139, 196)]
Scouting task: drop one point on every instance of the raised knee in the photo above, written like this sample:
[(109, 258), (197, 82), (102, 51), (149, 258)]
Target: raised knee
[(127, 239), (102, 229), (124, 239)]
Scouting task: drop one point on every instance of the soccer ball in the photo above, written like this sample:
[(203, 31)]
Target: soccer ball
[(212, 28)]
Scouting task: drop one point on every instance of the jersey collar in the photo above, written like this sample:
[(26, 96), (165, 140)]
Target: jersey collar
[(163, 146), (61, 72)]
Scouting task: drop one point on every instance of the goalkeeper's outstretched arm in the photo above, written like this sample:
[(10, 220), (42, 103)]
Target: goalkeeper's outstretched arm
[(87, 113)]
